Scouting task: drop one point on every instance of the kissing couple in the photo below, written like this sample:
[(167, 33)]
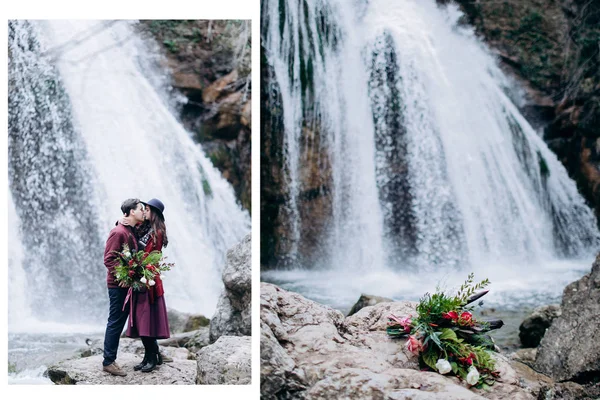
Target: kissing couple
[(142, 227)]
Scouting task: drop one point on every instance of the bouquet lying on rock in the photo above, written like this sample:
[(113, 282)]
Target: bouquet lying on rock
[(448, 338), (139, 269)]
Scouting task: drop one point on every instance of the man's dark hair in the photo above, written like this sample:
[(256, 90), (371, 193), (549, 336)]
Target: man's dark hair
[(128, 205)]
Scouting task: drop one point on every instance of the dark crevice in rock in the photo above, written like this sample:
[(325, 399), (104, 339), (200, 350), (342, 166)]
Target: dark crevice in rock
[(586, 378)]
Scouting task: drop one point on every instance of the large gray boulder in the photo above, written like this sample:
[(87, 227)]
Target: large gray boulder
[(312, 351), (225, 362), (88, 370), (233, 315), (570, 349), (533, 328)]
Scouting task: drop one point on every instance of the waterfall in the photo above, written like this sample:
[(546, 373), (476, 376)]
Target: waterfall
[(21, 308), (90, 125), (432, 166)]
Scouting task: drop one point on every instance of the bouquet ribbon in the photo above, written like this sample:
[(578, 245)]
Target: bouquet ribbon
[(130, 299)]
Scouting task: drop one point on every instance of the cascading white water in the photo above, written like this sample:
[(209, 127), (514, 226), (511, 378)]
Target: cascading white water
[(432, 164), (21, 309), (290, 38), (88, 129)]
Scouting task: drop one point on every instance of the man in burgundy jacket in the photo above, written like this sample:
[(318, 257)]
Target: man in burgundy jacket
[(133, 212)]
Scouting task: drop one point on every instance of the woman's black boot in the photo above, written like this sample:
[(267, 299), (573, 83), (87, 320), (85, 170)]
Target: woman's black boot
[(151, 363), (159, 358), (145, 359), (141, 365)]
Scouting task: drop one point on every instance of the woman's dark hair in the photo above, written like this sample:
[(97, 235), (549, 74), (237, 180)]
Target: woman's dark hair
[(157, 222)]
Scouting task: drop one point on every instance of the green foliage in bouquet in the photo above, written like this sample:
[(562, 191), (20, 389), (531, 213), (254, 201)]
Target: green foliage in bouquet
[(446, 336), (139, 269)]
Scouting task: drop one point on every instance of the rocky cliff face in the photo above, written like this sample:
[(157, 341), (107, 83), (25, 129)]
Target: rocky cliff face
[(553, 49), (209, 62), (314, 204)]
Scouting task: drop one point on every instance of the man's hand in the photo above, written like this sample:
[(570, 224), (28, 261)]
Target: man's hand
[(123, 285)]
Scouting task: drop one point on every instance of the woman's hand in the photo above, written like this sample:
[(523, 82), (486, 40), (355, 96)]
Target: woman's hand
[(123, 285), (124, 221)]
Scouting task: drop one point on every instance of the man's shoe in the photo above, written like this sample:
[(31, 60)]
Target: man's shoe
[(114, 369)]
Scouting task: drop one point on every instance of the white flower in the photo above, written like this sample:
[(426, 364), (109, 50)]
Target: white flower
[(143, 280), (151, 282), (127, 254), (443, 366), (472, 376)]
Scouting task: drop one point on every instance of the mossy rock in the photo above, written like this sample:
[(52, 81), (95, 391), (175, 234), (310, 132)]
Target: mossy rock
[(195, 322)]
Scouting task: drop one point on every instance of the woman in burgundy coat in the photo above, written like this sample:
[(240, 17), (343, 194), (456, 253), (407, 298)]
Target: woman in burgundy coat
[(148, 319)]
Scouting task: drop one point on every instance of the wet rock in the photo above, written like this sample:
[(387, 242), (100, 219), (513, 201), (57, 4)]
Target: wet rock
[(309, 350), (225, 362), (233, 315), (534, 327), (570, 348), (220, 87), (229, 116), (366, 300)]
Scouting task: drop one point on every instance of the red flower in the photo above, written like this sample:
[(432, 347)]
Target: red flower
[(131, 262), (468, 360), (150, 267), (146, 254), (131, 272), (466, 319), (453, 315)]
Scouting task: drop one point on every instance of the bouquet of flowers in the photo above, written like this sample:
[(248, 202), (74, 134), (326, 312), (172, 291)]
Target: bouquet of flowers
[(448, 338), (139, 269)]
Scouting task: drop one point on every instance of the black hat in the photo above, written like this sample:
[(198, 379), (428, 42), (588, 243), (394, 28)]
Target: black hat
[(156, 204)]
